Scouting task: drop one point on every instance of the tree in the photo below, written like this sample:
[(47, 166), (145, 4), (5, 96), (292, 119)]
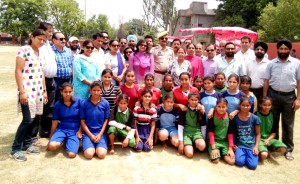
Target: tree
[(20, 17), (98, 24), (243, 13), (281, 21), (66, 16), (162, 12)]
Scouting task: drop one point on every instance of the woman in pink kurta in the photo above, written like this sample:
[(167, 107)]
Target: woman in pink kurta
[(141, 62), (196, 62)]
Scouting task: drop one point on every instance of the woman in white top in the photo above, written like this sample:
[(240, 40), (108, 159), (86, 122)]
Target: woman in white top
[(115, 61)]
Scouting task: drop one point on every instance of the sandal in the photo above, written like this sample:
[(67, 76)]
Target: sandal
[(289, 156)]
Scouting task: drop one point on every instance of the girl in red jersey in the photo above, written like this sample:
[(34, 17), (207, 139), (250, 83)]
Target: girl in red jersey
[(130, 88)]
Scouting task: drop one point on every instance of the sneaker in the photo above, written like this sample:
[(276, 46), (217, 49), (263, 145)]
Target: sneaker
[(32, 151), (36, 143), (18, 156)]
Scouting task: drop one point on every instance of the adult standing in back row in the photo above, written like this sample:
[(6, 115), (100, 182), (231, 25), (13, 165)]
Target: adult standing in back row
[(64, 59), (163, 58), (282, 77)]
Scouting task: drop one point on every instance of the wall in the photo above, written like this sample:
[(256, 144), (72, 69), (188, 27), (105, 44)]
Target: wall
[(272, 50)]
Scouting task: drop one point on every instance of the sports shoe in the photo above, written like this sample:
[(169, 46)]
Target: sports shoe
[(36, 143), (18, 156), (32, 151)]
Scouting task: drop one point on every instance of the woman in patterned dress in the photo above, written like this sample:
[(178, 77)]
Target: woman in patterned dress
[(31, 91)]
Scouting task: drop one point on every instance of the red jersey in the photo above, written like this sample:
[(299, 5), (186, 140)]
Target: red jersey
[(155, 97), (181, 97), (132, 94)]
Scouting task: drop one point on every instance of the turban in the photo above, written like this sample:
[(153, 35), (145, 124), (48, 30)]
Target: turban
[(132, 37), (285, 42), (262, 44)]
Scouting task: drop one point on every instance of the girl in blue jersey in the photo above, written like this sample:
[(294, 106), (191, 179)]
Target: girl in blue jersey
[(167, 118), (66, 112), (94, 114), (209, 98), (233, 95), (247, 127)]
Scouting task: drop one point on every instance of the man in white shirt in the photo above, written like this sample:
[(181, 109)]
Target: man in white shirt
[(257, 68), (98, 53), (245, 54)]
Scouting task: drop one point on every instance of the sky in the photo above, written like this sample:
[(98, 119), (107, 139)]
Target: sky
[(119, 11)]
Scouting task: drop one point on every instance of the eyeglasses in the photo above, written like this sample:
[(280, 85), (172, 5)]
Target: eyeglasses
[(105, 36), (211, 50), (163, 38), (128, 52), (89, 47), (116, 46), (230, 48), (61, 39), (143, 45)]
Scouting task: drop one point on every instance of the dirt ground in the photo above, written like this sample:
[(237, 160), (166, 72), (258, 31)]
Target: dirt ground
[(126, 166)]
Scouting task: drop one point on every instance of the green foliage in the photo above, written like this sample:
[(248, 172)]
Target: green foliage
[(243, 13), (20, 17), (97, 24), (281, 21), (66, 16)]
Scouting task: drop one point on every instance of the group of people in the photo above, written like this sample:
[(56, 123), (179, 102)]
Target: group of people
[(141, 94)]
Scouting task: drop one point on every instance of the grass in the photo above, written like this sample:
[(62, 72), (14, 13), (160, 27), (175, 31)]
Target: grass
[(158, 166)]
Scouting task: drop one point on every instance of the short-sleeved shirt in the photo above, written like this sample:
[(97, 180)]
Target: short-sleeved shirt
[(245, 131), (68, 117), (176, 70), (94, 115), (162, 58), (132, 93), (233, 100), (220, 89), (156, 94), (112, 60), (164, 92), (166, 118), (192, 120), (64, 60), (182, 97), (144, 116), (267, 127), (256, 71), (98, 56), (32, 80), (220, 126), (209, 100), (110, 94), (283, 76)]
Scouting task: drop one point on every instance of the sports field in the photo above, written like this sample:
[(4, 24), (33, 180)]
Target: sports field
[(125, 166)]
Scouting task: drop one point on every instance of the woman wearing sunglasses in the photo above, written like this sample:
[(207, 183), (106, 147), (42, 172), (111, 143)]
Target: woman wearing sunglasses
[(141, 62), (115, 61), (86, 70), (127, 53)]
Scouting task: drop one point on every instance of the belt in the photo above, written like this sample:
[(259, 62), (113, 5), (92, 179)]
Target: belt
[(283, 93), (256, 89), (160, 72)]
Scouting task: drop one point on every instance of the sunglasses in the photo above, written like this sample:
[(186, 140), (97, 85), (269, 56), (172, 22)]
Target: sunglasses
[(88, 47), (61, 39), (143, 45), (163, 38), (211, 50), (105, 36), (128, 52), (116, 46)]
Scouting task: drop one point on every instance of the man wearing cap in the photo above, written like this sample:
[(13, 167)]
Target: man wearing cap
[(132, 41), (163, 58), (256, 68), (74, 45), (282, 77)]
